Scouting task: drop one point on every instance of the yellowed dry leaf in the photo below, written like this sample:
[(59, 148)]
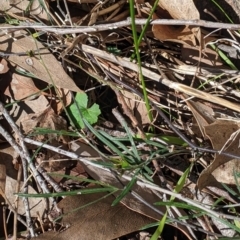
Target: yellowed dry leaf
[(42, 65), (221, 134)]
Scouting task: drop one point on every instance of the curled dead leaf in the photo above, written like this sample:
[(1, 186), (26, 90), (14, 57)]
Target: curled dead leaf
[(203, 115), (224, 136), (3, 66), (184, 9)]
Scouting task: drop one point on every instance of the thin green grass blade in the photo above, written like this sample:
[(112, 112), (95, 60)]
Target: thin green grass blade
[(224, 57), (148, 176), (154, 143), (71, 193), (134, 149), (79, 179), (135, 38), (116, 141), (177, 189), (228, 224), (217, 201), (178, 205), (236, 178), (231, 238), (160, 228), (181, 181), (103, 139), (125, 191), (43, 131), (156, 224), (231, 191), (148, 22), (222, 10)]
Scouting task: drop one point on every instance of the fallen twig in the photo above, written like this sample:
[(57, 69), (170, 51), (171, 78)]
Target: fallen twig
[(24, 154), (125, 23)]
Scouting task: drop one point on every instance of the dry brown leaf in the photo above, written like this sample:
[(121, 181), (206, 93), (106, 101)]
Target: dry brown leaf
[(129, 201), (138, 107), (182, 34), (224, 135), (7, 154), (37, 205), (61, 101), (98, 221), (3, 66), (183, 9), (19, 6), (209, 58), (180, 9), (20, 87), (51, 71), (21, 110), (47, 119), (202, 114)]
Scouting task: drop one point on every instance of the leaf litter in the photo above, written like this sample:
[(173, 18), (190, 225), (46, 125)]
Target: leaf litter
[(60, 91)]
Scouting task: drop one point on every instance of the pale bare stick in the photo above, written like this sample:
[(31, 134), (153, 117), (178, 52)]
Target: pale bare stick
[(124, 23)]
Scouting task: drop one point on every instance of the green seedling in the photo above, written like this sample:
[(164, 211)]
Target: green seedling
[(79, 110)]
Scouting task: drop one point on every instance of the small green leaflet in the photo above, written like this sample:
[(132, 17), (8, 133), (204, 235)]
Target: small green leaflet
[(81, 104)]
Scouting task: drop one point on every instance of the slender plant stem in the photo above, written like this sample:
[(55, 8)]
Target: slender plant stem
[(135, 38)]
